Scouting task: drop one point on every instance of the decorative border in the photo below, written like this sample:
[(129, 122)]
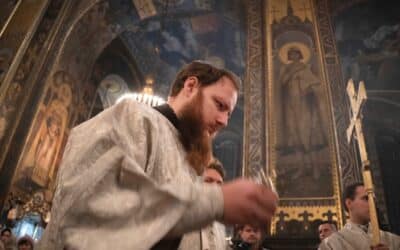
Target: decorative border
[(254, 156), (328, 55), (346, 152)]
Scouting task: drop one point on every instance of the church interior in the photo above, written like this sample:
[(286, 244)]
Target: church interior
[(63, 62)]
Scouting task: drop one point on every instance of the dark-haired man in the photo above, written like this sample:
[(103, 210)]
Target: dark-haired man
[(356, 234), (250, 238), (214, 172), (5, 235), (129, 176), (25, 243)]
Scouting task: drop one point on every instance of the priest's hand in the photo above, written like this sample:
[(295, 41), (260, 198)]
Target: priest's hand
[(246, 202), (380, 247)]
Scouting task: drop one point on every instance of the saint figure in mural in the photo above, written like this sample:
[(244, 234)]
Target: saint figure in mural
[(47, 142), (303, 127), (39, 159)]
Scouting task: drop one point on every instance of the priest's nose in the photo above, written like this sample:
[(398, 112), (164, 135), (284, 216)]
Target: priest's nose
[(222, 119)]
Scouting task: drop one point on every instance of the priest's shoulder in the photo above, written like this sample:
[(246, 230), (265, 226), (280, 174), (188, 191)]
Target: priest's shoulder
[(131, 106), (129, 109)]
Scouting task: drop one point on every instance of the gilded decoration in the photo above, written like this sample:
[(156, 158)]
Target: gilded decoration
[(22, 75), (51, 115), (302, 145), (37, 167), (14, 42)]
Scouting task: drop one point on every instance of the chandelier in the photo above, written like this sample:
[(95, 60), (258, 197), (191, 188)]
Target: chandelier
[(146, 96)]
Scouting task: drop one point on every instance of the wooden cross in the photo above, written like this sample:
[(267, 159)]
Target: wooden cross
[(357, 100)]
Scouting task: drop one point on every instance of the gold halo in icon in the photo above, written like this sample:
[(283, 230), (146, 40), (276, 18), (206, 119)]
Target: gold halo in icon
[(305, 51)]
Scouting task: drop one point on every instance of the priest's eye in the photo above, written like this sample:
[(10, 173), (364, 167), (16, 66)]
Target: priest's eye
[(208, 180), (219, 105)]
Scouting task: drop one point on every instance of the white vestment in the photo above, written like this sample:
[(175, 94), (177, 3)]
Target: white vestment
[(212, 236), (125, 183), (353, 237)]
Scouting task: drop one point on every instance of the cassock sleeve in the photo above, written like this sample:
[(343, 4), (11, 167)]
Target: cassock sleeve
[(107, 198)]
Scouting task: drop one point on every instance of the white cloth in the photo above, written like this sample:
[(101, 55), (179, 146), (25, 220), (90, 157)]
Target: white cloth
[(353, 237), (124, 183), (212, 237)]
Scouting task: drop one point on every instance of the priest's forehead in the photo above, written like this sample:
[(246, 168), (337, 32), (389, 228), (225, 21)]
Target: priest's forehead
[(361, 191), (206, 74)]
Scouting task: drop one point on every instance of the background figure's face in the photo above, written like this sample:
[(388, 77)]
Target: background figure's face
[(324, 230), (54, 131), (358, 208), (6, 236), (212, 176), (219, 100), (250, 234), (294, 55), (54, 127), (25, 246)]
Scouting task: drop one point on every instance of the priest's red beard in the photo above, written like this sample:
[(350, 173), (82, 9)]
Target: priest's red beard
[(194, 135)]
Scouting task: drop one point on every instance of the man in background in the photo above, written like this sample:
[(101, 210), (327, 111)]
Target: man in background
[(325, 229), (250, 238), (25, 243), (8, 239), (212, 236), (214, 173), (357, 234)]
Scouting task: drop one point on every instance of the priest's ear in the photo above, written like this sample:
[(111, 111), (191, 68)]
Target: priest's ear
[(347, 204), (190, 86)]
